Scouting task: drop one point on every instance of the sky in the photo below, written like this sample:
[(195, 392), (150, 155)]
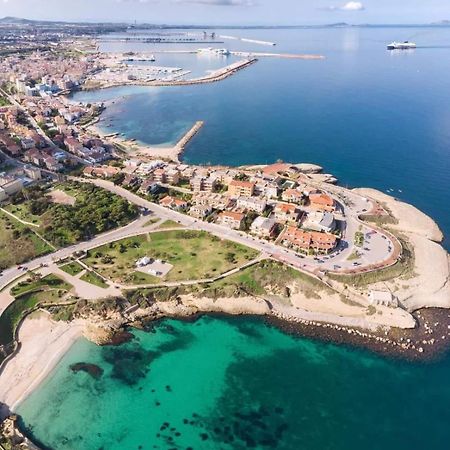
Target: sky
[(232, 12)]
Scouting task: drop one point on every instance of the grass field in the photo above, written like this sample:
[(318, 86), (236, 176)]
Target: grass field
[(22, 211), (18, 243), (265, 279), (72, 268), (195, 255), (169, 224), (91, 277), (49, 289)]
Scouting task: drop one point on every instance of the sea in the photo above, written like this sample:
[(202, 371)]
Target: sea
[(372, 118)]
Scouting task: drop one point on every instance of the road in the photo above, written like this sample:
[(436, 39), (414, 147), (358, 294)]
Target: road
[(39, 130), (380, 247)]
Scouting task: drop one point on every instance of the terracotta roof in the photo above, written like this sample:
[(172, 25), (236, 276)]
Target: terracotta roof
[(286, 207), (321, 199), (233, 214), (244, 184), (276, 168)]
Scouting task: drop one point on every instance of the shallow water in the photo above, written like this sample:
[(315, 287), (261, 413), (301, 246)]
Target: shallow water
[(235, 383)]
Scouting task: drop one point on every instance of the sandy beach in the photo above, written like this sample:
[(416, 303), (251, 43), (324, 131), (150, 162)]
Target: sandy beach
[(43, 343)]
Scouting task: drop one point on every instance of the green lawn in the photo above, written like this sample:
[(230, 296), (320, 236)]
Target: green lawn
[(93, 278), (72, 268), (18, 243), (152, 221), (169, 224), (49, 289), (194, 255), (22, 211)]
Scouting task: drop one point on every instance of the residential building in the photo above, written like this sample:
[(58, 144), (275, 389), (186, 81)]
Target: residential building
[(287, 212), (103, 171), (231, 219), (173, 203), (321, 201), (239, 188), (252, 204), (200, 211), (160, 176), (173, 177), (264, 227), (308, 240), (320, 221), (293, 196)]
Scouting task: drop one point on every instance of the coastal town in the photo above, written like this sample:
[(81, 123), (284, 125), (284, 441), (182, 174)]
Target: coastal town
[(100, 232)]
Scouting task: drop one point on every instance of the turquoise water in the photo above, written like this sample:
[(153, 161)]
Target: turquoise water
[(371, 117), (235, 383)]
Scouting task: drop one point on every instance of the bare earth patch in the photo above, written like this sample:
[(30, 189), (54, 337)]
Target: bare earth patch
[(61, 197)]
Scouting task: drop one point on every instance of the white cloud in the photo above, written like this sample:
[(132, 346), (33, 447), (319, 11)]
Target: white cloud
[(352, 6), (220, 2)]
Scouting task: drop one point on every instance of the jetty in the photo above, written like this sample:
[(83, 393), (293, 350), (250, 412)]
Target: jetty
[(251, 41), (180, 146), (276, 55)]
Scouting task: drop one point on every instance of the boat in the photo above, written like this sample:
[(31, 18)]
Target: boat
[(214, 51), (401, 45), (152, 58)]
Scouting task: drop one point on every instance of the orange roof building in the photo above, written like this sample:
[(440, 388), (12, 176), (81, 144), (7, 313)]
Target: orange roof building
[(322, 202), (306, 240)]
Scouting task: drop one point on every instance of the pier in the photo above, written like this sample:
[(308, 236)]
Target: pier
[(180, 146), (276, 55)]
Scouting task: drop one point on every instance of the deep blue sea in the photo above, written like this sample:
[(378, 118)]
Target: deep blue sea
[(369, 116)]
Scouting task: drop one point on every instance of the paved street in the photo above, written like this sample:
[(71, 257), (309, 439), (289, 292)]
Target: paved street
[(377, 247)]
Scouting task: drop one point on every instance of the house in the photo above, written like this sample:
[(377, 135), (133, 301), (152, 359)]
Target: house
[(279, 168), (264, 227), (11, 185), (384, 298), (238, 188), (200, 211), (149, 186), (173, 203), (73, 145), (321, 201), (103, 171), (293, 196), (320, 221), (33, 173), (252, 204), (308, 240), (231, 219), (287, 212)]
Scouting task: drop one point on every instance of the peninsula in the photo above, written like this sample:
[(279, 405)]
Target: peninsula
[(99, 233)]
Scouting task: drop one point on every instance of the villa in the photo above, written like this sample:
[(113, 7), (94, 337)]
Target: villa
[(231, 219)]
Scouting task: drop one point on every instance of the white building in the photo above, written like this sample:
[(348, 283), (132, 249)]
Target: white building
[(320, 221), (384, 298), (252, 204)]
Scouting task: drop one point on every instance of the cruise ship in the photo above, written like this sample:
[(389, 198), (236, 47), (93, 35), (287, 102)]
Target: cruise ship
[(401, 45)]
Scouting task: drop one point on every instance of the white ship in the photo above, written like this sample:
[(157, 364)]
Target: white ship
[(401, 45)]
